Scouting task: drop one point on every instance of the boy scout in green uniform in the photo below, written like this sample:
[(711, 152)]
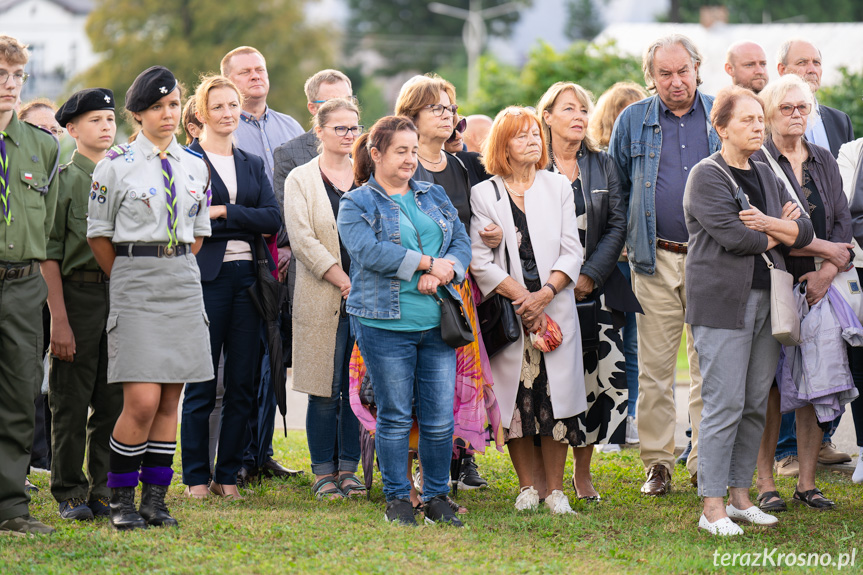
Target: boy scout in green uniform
[(28, 198), (78, 300)]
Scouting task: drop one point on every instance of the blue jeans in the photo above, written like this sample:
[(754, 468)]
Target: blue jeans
[(630, 348), (411, 369), (234, 325), (329, 418)]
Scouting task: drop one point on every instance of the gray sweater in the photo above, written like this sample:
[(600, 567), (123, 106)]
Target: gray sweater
[(722, 250)]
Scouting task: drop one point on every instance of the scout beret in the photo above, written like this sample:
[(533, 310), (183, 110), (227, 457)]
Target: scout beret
[(88, 100), (149, 87)]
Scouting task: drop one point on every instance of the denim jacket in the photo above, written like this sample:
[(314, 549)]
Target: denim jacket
[(369, 227), (635, 146)]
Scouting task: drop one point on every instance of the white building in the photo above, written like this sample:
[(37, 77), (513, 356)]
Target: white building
[(55, 32)]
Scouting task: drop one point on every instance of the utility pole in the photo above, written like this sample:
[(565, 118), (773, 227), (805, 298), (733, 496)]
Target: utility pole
[(474, 33)]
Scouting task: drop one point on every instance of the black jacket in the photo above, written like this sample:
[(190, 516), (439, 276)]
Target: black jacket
[(255, 211), (837, 124)]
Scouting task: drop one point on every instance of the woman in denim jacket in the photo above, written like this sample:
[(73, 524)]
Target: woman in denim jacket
[(406, 244)]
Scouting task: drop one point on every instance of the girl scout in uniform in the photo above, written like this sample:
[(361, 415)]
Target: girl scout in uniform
[(147, 217)]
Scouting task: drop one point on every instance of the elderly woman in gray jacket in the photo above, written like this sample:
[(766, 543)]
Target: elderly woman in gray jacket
[(738, 213)]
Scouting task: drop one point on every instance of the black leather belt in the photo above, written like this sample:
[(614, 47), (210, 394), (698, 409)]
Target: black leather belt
[(89, 277), (152, 251), (14, 271), (675, 247)]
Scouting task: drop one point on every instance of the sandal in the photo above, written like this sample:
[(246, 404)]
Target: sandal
[(809, 499), (321, 494), (590, 498), (765, 503), (354, 488), (456, 508)]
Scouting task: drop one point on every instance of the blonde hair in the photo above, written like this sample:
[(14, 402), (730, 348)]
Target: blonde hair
[(13, 51), (225, 64), (774, 92), (207, 85), (507, 124), (548, 101), (422, 91), (609, 106)]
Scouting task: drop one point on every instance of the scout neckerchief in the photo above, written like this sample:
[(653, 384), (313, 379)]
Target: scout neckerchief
[(4, 180), (171, 197)]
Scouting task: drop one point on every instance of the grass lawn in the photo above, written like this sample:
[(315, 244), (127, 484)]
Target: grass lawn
[(279, 528)]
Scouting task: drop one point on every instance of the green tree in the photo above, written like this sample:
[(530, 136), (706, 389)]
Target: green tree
[(190, 37), (408, 36), (846, 96), (757, 11), (583, 20), (594, 67)]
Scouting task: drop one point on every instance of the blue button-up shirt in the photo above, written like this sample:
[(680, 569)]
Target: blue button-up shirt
[(684, 144), (261, 136), (815, 131)]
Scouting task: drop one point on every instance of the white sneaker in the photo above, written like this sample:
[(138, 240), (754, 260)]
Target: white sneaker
[(528, 499), (558, 503), (631, 430), (858, 471), (724, 526), (751, 515), (607, 448), (418, 481)]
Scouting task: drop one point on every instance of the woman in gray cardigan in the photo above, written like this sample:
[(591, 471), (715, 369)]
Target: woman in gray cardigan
[(737, 213)]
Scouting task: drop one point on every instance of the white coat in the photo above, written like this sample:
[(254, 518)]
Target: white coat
[(550, 213)]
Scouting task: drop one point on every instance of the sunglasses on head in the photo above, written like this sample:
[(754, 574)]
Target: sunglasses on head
[(462, 124)]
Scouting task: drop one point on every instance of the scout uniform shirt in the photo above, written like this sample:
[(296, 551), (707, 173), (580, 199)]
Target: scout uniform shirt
[(68, 242), (128, 199), (31, 154)]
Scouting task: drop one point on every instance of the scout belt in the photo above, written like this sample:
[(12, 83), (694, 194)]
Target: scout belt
[(151, 250), (14, 271), (90, 277)]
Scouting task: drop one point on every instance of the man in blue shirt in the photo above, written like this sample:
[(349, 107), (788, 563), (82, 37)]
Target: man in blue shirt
[(655, 144), (260, 131)]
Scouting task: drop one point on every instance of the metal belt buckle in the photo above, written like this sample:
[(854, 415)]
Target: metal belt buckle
[(13, 273), (169, 251)]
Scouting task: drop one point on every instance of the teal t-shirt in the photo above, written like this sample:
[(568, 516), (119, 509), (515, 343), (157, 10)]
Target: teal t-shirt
[(419, 312)]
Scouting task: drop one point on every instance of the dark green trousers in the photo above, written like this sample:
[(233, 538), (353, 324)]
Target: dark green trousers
[(74, 389), (21, 302)]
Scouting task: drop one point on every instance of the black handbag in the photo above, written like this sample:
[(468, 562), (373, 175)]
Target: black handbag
[(455, 328), (496, 315), (588, 323)]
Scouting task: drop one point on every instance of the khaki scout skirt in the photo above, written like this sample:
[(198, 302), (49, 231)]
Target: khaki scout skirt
[(158, 331)]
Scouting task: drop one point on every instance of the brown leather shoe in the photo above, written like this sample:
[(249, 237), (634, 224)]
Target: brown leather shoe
[(658, 481)]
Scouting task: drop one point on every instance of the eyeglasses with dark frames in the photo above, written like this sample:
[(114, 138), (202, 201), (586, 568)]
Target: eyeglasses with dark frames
[(342, 131), (437, 109)]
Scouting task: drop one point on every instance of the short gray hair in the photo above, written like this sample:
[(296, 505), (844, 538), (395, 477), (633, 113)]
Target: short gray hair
[(667, 42), (782, 53), (774, 92), (313, 84)]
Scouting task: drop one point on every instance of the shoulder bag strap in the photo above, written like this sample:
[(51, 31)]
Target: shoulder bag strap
[(503, 238), (777, 169)]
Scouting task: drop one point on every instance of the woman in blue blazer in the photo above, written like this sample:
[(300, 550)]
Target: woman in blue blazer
[(243, 207)]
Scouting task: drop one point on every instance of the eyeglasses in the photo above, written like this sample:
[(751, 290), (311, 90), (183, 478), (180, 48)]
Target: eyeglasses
[(462, 124), (352, 99), (788, 109), (437, 109), (56, 130), (19, 77), (342, 131)]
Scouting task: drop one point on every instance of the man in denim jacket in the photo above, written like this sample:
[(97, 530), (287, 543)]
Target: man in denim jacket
[(655, 144)]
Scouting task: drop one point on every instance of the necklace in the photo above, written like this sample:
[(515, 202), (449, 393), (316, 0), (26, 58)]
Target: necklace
[(556, 165), (339, 181), (508, 189), (440, 159)]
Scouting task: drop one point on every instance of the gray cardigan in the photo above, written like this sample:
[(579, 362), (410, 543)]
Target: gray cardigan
[(722, 250)]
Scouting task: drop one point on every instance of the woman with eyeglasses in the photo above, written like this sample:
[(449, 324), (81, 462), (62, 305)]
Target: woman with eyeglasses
[(430, 102), (322, 336), (40, 112), (812, 176)]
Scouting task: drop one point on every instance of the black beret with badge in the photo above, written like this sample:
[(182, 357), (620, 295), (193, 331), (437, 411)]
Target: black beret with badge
[(89, 100), (149, 87)]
